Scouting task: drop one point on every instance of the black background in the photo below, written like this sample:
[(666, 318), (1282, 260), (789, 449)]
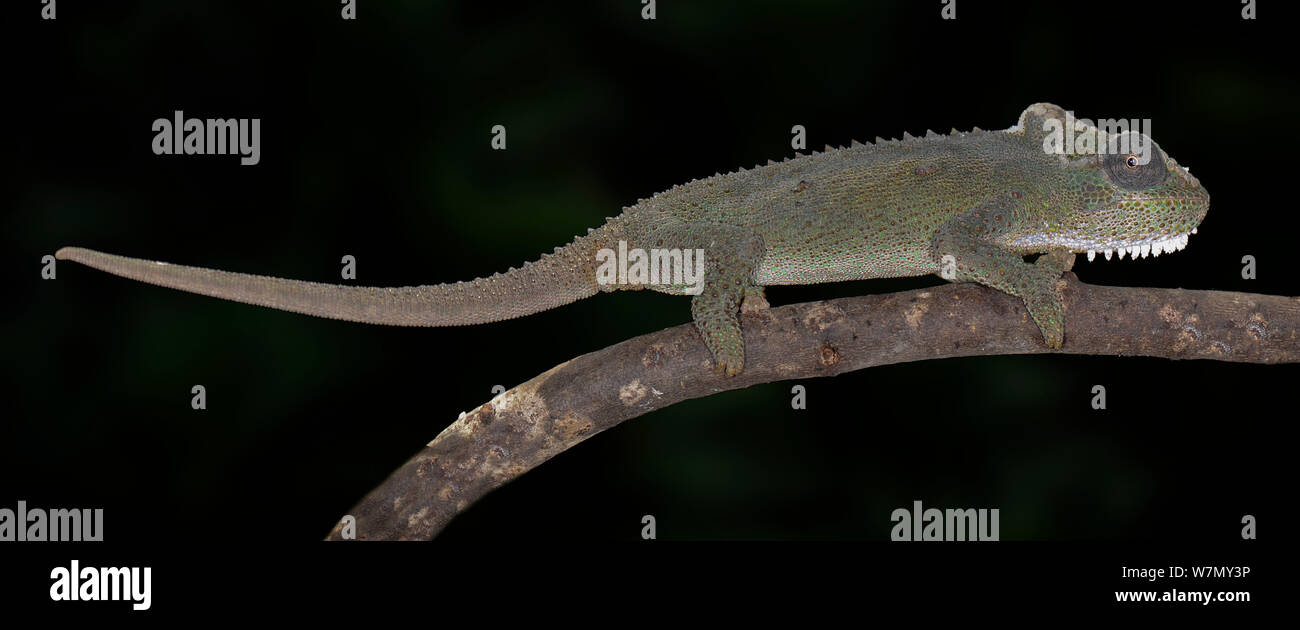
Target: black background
[(375, 143)]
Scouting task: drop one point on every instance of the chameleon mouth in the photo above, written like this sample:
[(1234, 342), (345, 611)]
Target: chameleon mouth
[(1153, 247)]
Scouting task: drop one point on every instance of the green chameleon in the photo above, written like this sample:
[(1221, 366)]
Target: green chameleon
[(967, 206)]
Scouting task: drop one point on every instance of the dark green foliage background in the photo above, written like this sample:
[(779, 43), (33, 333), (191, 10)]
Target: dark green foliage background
[(375, 143)]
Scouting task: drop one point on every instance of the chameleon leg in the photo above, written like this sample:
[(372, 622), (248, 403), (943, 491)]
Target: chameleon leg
[(731, 256), (964, 257), (728, 279)]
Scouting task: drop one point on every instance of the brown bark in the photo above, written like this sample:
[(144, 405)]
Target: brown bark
[(527, 425)]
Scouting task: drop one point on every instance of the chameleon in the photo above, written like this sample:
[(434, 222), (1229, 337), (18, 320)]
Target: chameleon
[(968, 206)]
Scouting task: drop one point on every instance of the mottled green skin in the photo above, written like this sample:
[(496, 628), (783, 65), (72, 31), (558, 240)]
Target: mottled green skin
[(968, 206), (897, 208)]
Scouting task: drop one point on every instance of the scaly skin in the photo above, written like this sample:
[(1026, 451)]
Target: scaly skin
[(967, 206)]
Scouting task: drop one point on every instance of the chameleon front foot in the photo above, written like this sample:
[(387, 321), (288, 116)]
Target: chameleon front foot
[(1042, 295), (965, 257), (1046, 309)]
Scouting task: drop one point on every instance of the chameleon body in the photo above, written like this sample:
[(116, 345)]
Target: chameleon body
[(968, 206)]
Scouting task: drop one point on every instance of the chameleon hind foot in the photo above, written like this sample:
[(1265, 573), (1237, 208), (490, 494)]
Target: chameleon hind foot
[(731, 257), (754, 301)]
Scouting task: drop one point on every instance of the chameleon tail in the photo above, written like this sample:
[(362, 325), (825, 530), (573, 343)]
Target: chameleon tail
[(555, 280)]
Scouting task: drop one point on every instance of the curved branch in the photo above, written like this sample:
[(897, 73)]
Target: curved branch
[(527, 425)]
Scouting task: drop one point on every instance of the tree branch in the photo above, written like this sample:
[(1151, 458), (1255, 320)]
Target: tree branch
[(527, 425)]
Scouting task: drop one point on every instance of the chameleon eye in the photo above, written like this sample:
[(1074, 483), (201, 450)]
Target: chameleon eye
[(1127, 171)]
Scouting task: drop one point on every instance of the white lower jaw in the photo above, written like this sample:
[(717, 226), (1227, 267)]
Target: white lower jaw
[(1154, 248)]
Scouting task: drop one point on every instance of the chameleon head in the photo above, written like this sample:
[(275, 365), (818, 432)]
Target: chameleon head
[(1120, 195)]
